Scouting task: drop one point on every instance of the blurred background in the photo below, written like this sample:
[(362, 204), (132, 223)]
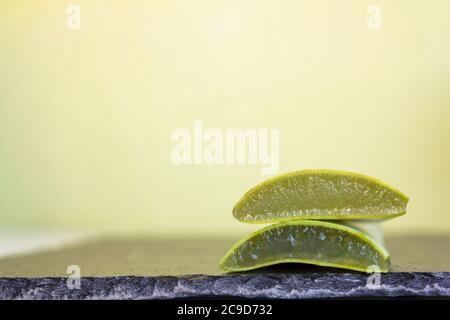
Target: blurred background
[(86, 115)]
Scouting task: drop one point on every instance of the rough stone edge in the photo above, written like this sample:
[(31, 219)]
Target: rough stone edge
[(285, 286)]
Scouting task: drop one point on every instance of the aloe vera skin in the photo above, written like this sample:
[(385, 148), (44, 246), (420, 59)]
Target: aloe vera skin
[(311, 242), (320, 194)]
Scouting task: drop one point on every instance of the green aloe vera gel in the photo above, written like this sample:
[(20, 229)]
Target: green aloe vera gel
[(320, 194), (299, 203)]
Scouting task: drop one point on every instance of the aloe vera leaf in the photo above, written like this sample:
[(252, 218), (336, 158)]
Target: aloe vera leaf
[(320, 194), (305, 241)]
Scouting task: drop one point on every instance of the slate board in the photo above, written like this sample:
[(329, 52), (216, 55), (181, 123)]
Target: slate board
[(146, 268)]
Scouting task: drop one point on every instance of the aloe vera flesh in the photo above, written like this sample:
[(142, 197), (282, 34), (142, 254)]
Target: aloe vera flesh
[(320, 194), (312, 242)]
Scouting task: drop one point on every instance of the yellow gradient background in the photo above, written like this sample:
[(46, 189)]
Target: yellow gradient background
[(86, 116)]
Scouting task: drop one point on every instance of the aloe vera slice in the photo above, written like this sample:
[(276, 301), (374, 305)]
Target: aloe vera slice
[(320, 194), (304, 241)]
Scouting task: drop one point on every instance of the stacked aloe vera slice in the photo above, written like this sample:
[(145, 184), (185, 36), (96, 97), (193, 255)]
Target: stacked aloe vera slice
[(322, 217)]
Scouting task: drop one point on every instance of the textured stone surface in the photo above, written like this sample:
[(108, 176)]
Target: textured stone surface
[(288, 286), (142, 256), (143, 268)]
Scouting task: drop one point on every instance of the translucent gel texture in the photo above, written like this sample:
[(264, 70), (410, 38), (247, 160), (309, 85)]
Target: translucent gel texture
[(300, 241), (320, 194)]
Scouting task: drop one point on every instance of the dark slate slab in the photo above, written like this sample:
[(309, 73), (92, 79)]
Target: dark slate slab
[(287, 286), (143, 268)]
